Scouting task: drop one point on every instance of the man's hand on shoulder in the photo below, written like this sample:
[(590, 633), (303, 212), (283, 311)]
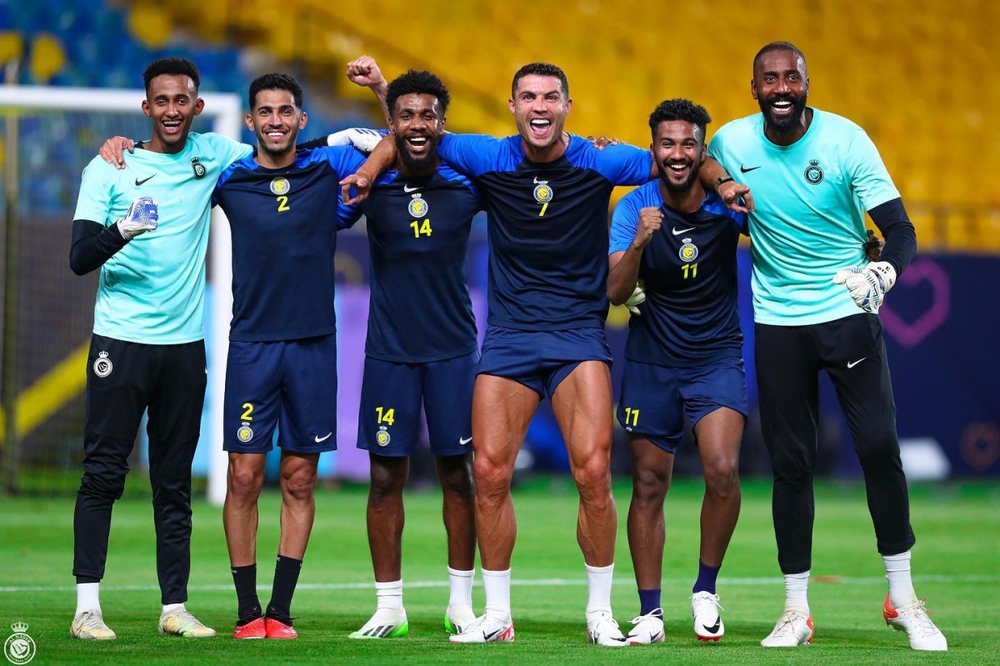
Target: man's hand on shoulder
[(113, 150)]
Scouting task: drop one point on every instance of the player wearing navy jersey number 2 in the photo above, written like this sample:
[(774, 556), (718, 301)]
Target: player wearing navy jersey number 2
[(148, 347), (421, 346), (683, 357), (282, 365), (815, 174), (547, 194)]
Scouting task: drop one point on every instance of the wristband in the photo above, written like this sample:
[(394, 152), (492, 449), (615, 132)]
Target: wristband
[(719, 182)]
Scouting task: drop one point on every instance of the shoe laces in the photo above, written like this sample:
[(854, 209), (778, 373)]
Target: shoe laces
[(786, 623), (706, 598), (920, 617), (656, 613), (183, 616), (92, 619)]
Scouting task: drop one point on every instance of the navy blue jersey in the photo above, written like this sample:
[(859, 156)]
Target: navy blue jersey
[(284, 224), (418, 232), (548, 226), (691, 315)]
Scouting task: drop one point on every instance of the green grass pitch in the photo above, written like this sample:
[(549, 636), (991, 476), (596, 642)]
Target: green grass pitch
[(956, 565)]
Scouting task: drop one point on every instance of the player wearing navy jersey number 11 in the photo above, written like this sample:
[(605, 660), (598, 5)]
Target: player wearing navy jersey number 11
[(815, 175), (148, 347), (421, 348), (683, 357), (547, 194), (282, 365)]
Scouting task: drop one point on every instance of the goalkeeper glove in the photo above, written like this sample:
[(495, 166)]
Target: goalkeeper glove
[(637, 298), (140, 218), (362, 138), (868, 285)]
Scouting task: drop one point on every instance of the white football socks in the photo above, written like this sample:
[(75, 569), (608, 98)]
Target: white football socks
[(88, 597), (460, 586), (599, 581), (389, 595), (897, 572), (497, 587), (796, 592)]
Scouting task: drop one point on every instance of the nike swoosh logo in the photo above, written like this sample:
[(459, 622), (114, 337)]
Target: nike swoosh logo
[(464, 440), (854, 363), (744, 169), (677, 232), (140, 182), (408, 189), (715, 627), (490, 635), (319, 439), (539, 182)]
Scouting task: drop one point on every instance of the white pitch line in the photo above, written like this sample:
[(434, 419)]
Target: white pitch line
[(540, 582)]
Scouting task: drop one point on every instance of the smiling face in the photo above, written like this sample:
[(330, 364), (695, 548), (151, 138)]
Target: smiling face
[(781, 88), (276, 120), (678, 149), (540, 107), (418, 123), (172, 102)]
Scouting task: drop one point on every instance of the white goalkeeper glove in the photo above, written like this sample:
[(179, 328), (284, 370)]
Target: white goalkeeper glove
[(637, 298), (362, 138), (140, 218), (868, 285)]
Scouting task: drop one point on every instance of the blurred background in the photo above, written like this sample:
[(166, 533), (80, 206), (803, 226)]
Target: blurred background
[(916, 74)]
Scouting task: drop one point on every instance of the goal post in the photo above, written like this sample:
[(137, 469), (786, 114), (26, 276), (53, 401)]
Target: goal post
[(38, 105)]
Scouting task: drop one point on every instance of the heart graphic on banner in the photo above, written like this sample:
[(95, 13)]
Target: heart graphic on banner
[(910, 334)]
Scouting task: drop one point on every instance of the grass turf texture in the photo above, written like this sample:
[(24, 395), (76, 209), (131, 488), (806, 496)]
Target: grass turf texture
[(956, 565)]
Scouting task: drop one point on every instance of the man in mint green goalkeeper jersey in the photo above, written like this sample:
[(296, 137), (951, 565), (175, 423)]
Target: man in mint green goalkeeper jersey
[(145, 227), (814, 175)]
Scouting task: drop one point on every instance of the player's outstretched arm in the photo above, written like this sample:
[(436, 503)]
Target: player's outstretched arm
[(736, 196), (93, 243), (382, 158), (364, 71), (113, 150)]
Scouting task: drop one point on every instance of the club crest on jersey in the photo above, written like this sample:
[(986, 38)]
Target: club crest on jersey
[(418, 207), (244, 433), (280, 185), (103, 365), (198, 168), (814, 173), (688, 251), (543, 193), (382, 437)]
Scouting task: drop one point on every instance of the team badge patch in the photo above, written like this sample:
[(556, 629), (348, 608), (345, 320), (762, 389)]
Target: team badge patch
[(814, 173), (418, 206), (543, 193), (382, 437), (244, 433), (280, 185), (688, 251), (103, 365)]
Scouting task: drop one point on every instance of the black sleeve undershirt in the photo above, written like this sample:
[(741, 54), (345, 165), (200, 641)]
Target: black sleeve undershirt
[(93, 244), (900, 236)]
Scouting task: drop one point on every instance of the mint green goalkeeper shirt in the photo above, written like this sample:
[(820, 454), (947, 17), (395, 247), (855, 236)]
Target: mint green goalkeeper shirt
[(153, 289), (809, 221)]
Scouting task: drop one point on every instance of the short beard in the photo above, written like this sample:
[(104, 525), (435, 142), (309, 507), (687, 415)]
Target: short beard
[(673, 187), (425, 163), (783, 125)]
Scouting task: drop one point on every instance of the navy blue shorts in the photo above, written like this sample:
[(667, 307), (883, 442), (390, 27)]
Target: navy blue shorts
[(540, 359), (655, 399), (291, 385), (391, 393)]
